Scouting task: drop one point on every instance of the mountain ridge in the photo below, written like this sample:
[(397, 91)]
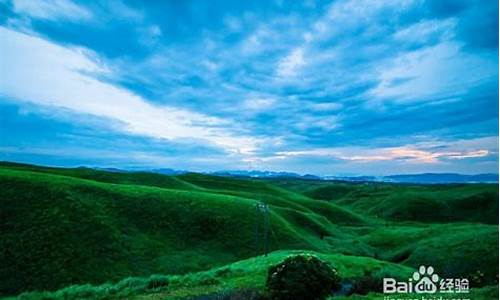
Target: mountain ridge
[(417, 178)]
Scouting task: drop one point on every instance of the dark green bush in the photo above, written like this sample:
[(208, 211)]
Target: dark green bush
[(301, 277)]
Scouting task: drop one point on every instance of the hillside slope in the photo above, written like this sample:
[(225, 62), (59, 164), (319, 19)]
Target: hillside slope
[(80, 226), (403, 202), (138, 178), (246, 274), (99, 231)]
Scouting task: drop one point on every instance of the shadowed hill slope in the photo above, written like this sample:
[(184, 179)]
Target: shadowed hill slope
[(99, 231), (447, 203), (401, 202)]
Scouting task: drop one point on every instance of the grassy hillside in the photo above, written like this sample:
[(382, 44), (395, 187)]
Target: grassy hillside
[(400, 202), (81, 226), (138, 178), (246, 274), (459, 250), (100, 231)]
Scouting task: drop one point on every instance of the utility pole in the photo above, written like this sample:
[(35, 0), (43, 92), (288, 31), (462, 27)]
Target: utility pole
[(262, 214)]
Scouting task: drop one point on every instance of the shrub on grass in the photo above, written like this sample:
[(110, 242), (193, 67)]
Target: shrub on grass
[(301, 277)]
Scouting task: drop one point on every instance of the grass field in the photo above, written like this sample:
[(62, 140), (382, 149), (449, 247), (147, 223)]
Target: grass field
[(82, 233)]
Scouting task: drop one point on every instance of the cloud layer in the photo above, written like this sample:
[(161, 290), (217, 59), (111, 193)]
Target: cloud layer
[(320, 87)]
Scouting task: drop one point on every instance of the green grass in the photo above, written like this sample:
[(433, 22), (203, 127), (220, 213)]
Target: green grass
[(137, 178), (62, 227), (99, 231), (421, 203), (457, 250), (249, 273)]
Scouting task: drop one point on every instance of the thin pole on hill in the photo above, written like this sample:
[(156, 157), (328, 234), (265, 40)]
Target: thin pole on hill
[(257, 244), (266, 230), (262, 212)]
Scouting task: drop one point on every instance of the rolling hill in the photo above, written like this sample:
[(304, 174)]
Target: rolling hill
[(62, 227)]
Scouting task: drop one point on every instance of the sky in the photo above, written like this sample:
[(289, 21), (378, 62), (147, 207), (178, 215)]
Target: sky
[(345, 87)]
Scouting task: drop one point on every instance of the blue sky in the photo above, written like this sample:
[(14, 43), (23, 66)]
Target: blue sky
[(321, 87)]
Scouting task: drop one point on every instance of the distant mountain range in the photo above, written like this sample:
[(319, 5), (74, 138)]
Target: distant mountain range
[(264, 174), (443, 178), (164, 171), (424, 178)]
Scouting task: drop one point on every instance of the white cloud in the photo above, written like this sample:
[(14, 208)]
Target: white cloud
[(436, 70), (345, 15), (424, 30), (258, 104), (122, 10), (325, 106), (255, 43), (420, 153), (46, 74), (308, 122), (290, 65), (343, 18), (52, 9)]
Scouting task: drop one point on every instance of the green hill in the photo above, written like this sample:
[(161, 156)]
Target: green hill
[(422, 203), (61, 227), (100, 231), (138, 178)]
